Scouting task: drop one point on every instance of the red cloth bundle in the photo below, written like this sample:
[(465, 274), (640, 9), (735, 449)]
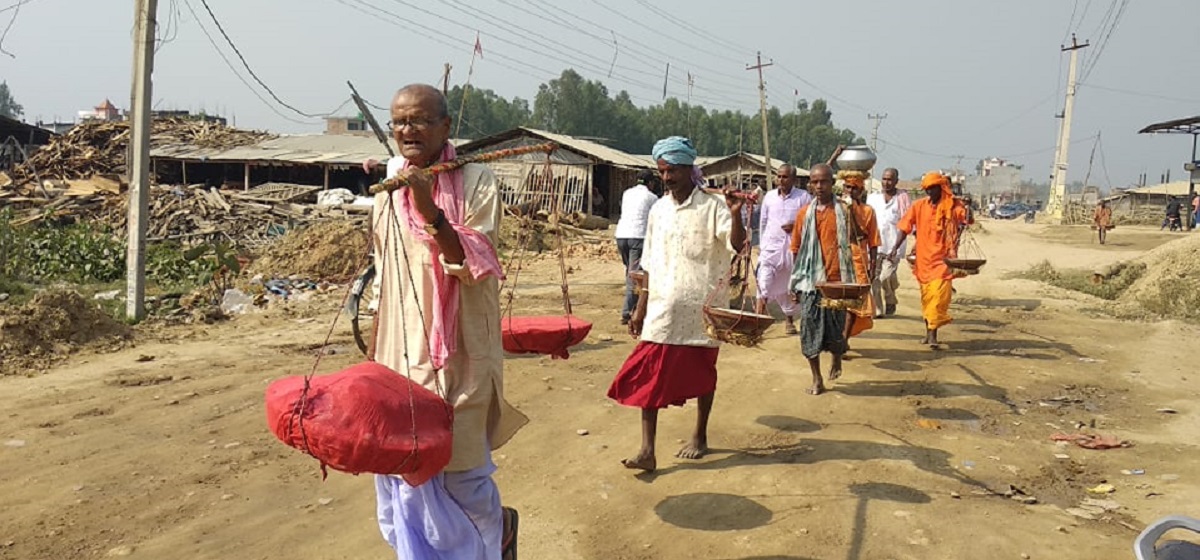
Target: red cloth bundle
[(544, 334), (365, 418)]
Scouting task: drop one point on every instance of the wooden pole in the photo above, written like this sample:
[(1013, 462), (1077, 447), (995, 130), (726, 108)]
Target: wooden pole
[(184, 164), (762, 109), (246, 178), (326, 168), (139, 184)]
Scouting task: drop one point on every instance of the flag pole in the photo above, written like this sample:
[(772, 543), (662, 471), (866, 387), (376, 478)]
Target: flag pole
[(462, 106)]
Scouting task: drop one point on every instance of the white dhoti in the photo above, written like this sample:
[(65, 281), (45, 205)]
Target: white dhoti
[(454, 516), (774, 272)]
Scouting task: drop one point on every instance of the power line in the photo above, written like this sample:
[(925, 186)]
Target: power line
[(250, 70), (1104, 43), (819, 89), (233, 69), (1140, 94), (1022, 114), (412, 26), (1071, 23), (452, 21), (734, 81), (16, 8), (689, 27)]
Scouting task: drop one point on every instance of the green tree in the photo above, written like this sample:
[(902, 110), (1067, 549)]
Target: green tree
[(9, 106), (485, 112), (803, 135)]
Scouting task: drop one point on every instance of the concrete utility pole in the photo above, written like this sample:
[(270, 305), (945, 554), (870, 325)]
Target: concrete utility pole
[(1058, 186), (875, 130), (762, 108), (139, 168)]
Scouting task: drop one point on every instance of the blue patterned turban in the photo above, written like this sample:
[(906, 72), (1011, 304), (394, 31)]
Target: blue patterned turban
[(675, 150)]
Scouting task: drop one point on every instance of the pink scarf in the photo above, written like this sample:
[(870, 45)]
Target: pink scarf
[(481, 259)]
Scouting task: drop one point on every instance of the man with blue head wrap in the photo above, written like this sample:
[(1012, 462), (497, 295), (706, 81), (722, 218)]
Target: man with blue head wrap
[(675, 150), (691, 236)]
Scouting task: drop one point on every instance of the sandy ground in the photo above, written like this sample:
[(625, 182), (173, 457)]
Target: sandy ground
[(907, 458)]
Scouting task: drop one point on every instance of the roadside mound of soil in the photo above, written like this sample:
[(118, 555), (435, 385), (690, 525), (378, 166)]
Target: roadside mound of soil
[(330, 250), (1170, 286), (50, 326)]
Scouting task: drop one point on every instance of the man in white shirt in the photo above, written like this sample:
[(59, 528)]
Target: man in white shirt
[(778, 216), (890, 205), (690, 239), (631, 231)]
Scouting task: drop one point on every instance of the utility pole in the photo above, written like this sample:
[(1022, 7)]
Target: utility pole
[(139, 168), (762, 108), (875, 130), (446, 79), (1058, 187)]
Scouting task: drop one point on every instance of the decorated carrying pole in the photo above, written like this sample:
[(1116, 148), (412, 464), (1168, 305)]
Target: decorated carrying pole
[(394, 183)]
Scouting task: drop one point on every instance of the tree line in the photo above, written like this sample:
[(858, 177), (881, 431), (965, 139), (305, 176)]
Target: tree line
[(571, 105)]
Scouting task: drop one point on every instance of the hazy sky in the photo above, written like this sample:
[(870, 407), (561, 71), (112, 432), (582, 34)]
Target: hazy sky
[(956, 77)]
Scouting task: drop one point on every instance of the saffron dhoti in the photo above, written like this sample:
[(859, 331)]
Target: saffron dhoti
[(935, 303)]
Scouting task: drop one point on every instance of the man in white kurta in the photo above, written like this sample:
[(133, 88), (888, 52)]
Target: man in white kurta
[(778, 217), (690, 240), (889, 205), (456, 515)]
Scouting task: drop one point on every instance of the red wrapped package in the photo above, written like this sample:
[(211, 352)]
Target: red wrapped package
[(545, 334), (364, 419)]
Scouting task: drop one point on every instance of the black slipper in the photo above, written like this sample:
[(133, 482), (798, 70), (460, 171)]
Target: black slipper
[(508, 550)]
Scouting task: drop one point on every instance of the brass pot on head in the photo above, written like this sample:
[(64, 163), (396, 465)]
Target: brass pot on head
[(856, 158)]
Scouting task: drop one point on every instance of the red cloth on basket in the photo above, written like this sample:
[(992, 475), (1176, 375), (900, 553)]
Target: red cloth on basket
[(660, 375), (365, 418), (544, 334)]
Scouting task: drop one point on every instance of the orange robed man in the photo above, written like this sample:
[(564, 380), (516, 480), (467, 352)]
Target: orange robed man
[(936, 221)]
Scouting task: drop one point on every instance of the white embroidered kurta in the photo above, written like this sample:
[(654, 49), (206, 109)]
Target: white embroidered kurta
[(687, 253), (473, 379)]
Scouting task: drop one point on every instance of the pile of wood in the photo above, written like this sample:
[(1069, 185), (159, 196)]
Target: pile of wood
[(196, 214), (99, 148), (189, 215)]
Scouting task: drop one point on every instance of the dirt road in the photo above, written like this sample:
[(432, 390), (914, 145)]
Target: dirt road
[(909, 456)]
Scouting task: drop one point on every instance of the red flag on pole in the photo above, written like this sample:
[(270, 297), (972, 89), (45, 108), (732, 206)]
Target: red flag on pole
[(478, 46)]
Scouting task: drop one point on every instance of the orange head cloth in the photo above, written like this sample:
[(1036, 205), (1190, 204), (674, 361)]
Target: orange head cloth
[(857, 181), (944, 212)]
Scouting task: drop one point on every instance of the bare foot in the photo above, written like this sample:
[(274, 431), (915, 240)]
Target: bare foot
[(835, 372), (694, 450), (816, 389), (643, 461)]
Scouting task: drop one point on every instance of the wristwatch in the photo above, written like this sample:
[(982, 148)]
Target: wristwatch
[(432, 227)]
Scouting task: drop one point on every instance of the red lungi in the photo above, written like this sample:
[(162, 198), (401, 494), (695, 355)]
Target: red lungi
[(660, 375)]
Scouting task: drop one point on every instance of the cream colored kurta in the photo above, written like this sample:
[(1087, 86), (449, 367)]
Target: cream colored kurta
[(473, 379), (687, 253)]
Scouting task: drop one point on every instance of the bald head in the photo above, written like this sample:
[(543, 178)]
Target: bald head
[(891, 177), (820, 182), (420, 123), (421, 93)]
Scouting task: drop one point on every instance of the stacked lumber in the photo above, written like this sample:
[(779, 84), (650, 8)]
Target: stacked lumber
[(99, 148)]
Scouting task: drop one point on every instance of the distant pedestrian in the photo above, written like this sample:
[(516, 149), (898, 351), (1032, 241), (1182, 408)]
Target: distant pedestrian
[(631, 231)]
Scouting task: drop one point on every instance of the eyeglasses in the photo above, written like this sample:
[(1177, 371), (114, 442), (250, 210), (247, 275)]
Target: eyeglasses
[(415, 124)]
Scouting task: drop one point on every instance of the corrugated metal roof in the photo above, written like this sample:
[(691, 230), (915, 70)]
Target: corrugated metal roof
[(760, 159), (332, 149), (594, 150), (1177, 188)]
